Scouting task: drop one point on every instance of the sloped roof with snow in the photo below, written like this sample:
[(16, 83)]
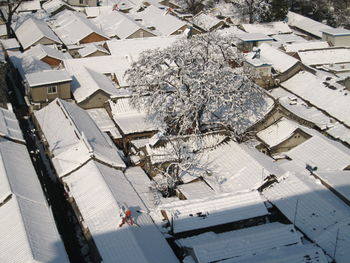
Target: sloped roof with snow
[(10, 43), (27, 226), (244, 242), (298, 46), (279, 60), (53, 5), (187, 215), (129, 119), (118, 24), (9, 126), (103, 64), (90, 49), (100, 192), (253, 37), (104, 122), (28, 6), (87, 82), (26, 64), (321, 152), (79, 139), (306, 24), (47, 77), (29, 233), (269, 29), (196, 190), (338, 180), (300, 108), (133, 47), (41, 51), (322, 93), (72, 27), (336, 31), (32, 30), (315, 210), (165, 24), (206, 22), (288, 38), (278, 132), (325, 56), (236, 168)]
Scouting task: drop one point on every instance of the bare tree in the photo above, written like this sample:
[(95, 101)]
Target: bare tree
[(10, 7)]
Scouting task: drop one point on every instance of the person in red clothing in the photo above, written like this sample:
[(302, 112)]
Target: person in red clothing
[(127, 218)]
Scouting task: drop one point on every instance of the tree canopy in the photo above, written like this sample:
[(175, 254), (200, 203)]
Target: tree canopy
[(196, 85)]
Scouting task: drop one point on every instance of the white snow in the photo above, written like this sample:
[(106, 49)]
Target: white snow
[(211, 211), (268, 29), (104, 122), (195, 190), (47, 77), (325, 56), (9, 126), (316, 211)]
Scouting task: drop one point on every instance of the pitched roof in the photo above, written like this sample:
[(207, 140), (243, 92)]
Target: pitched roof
[(90, 49), (100, 192), (26, 223), (236, 168), (325, 56), (118, 24), (164, 23), (323, 93), (104, 122), (278, 132), (9, 126), (129, 119), (315, 210), (47, 77), (73, 27), (267, 28), (306, 24), (79, 139), (41, 51), (235, 245), (336, 31), (87, 82), (32, 30), (187, 215)]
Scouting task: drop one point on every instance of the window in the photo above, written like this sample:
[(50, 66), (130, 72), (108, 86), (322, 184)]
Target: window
[(81, 2), (51, 89)]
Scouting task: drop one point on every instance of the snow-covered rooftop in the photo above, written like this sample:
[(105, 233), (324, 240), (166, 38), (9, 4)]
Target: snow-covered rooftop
[(280, 61), (47, 77), (79, 139), (300, 108), (316, 211), (27, 226), (322, 93), (118, 24), (339, 131), (336, 31), (133, 47), (42, 51), (103, 64), (253, 37), (100, 192), (288, 38), (306, 24), (338, 180), (26, 64), (28, 6), (87, 82), (90, 49), (211, 247), (269, 29), (32, 30), (129, 119), (236, 168), (53, 5), (164, 23), (9, 126), (104, 122), (278, 132), (10, 43), (73, 27), (298, 46), (195, 190), (290, 254), (28, 233), (212, 211), (325, 56), (206, 22)]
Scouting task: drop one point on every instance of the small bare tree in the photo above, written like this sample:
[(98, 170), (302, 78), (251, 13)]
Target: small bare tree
[(10, 7)]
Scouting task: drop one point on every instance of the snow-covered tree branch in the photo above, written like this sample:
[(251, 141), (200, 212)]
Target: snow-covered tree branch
[(195, 86), (256, 10)]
